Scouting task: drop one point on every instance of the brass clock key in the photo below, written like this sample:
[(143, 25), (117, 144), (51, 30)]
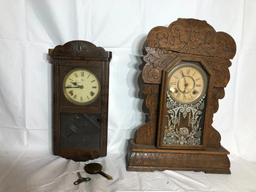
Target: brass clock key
[(81, 179)]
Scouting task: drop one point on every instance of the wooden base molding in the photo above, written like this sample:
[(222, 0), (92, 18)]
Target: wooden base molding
[(149, 158)]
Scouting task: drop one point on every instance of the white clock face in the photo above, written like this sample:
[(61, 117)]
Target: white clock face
[(81, 86), (187, 83)]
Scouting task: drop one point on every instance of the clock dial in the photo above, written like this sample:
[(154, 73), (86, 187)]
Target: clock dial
[(81, 86), (187, 83)]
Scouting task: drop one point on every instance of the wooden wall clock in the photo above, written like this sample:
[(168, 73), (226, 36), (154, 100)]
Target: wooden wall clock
[(184, 75), (80, 100)]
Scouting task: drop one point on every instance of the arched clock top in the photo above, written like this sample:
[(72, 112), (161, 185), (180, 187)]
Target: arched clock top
[(79, 50), (192, 36)]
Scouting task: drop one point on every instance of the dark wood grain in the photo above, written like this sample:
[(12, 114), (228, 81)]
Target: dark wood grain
[(165, 47), (80, 54)]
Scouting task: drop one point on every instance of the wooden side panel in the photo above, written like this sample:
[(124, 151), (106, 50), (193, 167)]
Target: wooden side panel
[(147, 132)]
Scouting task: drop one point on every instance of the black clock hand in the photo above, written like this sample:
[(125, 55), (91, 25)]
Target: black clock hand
[(185, 85), (182, 74), (185, 82), (78, 86)]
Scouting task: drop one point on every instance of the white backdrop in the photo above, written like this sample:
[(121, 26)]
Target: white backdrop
[(28, 28)]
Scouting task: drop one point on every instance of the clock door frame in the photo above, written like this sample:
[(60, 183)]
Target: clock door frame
[(164, 84)]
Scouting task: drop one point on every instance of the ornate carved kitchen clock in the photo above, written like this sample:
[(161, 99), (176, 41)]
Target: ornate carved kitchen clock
[(80, 110), (184, 75)]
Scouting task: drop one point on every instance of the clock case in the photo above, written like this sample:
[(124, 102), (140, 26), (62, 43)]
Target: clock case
[(188, 40), (80, 131)]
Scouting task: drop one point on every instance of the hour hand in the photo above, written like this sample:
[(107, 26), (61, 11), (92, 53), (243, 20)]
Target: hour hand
[(182, 74)]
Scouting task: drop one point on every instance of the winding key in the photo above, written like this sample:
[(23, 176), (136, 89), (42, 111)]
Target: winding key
[(81, 179)]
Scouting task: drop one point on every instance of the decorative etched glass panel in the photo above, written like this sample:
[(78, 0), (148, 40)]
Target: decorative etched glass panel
[(185, 103), (176, 131)]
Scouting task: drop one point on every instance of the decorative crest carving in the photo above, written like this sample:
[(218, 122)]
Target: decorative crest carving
[(78, 49), (191, 36)]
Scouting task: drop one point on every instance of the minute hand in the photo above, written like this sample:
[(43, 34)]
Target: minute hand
[(79, 86), (185, 81)]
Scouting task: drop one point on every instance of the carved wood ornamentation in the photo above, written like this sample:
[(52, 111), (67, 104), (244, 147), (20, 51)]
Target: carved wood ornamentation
[(78, 50), (189, 40)]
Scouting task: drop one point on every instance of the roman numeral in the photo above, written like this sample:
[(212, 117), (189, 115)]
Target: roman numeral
[(71, 92), (92, 93)]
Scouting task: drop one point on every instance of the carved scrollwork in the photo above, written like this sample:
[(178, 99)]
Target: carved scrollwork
[(78, 49), (156, 60), (151, 74), (191, 36)]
